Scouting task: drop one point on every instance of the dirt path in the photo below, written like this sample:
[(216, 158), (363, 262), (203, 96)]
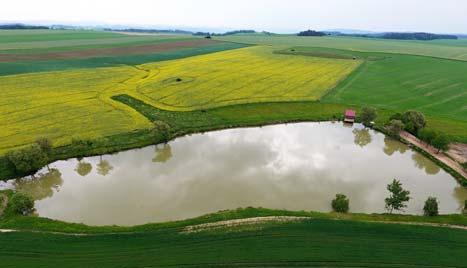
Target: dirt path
[(282, 219), (458, 151), (239, 223), (434, 152)]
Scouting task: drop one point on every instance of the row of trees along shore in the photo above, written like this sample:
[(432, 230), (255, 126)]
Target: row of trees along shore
[(413, 122), (396, 201)]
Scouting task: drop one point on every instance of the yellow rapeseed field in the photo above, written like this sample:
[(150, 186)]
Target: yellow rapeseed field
[(63, 105), (245, 75), (67, 104)]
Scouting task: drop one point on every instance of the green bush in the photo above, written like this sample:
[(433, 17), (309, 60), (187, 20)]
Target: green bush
[(340, 203), (431, 207), (427, 135), (368, 115), (161, 130), (394, 127), (414, 121), (45, 144), (80, 144), (441, 142), (20, 204), (29, 159)]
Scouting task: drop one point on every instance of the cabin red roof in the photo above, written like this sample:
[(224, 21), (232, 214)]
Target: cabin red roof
[(350, 113)]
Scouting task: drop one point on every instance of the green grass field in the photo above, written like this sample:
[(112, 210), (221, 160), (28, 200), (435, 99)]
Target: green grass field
[(449, 49), (323, 240), (36, 41), (28, 36)]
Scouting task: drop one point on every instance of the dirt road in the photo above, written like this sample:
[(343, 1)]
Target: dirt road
[(434, 152)]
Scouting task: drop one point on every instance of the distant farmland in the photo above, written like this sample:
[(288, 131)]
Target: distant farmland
[(45, 50), (449, 49)]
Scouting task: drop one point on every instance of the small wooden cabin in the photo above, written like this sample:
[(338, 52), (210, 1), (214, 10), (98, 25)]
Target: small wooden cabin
[(349, 116)]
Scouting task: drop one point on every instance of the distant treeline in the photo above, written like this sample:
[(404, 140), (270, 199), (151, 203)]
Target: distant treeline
[(311, 33), (226, 33), (400, 36), (19, 26), (417, 36)]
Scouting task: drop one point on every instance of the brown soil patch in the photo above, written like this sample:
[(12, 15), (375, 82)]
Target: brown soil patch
[(458, 151), (114, 51)]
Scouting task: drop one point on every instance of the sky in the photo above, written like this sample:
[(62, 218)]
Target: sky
[(441, 16)]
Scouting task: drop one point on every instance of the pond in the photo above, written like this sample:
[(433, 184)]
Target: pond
[(294, 167)]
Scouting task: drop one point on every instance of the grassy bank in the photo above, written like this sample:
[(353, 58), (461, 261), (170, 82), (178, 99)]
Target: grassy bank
[(31, 223), (324, 240)]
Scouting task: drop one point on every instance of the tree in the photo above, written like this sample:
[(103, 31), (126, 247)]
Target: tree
[(398, 196), (441, 142), (431, 207), (465, 207), (427, 135), (394, 128), (45, 144), (311, 33), (368, 115), (414, 121), (20, 204), (161, 130), (29, 159), (340, 203)]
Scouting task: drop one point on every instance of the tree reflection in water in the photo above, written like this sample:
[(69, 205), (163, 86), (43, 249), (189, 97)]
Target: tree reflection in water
[(461, 195), (42, 186), (163, 153), (426, 164), (362, 137), (83, 168), (391, 146), (104, 167)]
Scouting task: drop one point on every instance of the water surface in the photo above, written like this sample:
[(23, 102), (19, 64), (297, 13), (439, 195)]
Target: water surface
[(295, 167)]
